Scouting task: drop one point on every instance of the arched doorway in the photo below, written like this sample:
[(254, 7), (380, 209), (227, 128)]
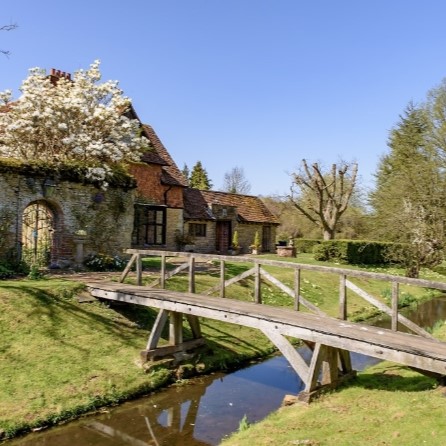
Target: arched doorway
[(37, 234)]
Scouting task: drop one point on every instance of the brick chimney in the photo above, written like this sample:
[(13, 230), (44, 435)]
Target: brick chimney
[(57, 74)]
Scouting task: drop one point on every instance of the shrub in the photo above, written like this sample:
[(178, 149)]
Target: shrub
[(5, 272), (306, 245), (235, 243), (104, 262), (353, 252), (12, 269)]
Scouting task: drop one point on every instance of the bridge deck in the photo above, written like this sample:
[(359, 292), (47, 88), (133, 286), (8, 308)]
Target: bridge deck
[(408, 349)]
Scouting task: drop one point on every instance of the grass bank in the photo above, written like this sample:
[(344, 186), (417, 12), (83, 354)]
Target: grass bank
[(62, 358), (386, 404)]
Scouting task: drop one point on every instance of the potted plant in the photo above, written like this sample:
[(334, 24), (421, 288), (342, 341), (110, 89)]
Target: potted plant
[(235, 245), (182, 240), (255, 247)]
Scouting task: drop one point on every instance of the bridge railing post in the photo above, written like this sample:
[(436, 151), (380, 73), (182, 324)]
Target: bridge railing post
[(163, 272), (342, 297), (395, 294), (139, 269), (257, 284), (297, 289), (191, 274), (222, 278)]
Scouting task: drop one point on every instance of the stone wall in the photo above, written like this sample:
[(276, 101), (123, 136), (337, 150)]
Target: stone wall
[(204, 245), (105, 216), (174, 224), (246, 234)]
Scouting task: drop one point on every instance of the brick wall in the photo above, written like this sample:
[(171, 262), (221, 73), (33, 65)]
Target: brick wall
[(148, 177)]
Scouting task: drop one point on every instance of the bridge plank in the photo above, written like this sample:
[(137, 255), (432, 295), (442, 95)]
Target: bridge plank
[(404, 348)]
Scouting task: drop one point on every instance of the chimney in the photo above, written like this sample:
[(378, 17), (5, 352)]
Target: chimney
[(57, 74)]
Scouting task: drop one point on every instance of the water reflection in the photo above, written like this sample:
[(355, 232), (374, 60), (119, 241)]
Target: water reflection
[(203, 412)]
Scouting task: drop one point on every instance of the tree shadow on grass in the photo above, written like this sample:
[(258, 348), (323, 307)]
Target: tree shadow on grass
[(48, 308), (143, 317)]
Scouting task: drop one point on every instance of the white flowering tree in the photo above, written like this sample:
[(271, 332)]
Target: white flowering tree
[(63, 119)]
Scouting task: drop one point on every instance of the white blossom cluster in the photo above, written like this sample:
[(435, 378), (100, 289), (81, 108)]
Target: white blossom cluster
[(79, 119)]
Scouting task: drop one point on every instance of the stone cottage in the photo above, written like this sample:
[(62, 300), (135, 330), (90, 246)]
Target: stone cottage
[(211, 218), (49, 216)]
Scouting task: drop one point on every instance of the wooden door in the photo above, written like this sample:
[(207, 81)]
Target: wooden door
[(37, 234), (266, 239), (223, 236)]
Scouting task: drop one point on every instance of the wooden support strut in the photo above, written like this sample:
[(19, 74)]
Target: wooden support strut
[(176, 342), (329, 367)]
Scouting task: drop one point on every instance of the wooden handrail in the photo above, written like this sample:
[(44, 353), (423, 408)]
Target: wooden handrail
[(258, 272), (319, 268)]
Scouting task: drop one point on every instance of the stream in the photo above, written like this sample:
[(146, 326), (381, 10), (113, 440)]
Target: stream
[(206, 409)]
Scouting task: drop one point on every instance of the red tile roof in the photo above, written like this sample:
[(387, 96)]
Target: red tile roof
[(250, 209), (159, 155)]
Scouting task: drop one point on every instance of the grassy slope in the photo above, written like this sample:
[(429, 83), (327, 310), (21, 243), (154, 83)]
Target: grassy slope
[(61, 358)]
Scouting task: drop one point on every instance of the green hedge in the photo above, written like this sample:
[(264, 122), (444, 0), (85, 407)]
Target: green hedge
[(305, 244), (362, 252)]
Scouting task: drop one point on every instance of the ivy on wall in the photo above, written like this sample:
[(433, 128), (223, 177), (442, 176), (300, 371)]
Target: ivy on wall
[(68, 171)]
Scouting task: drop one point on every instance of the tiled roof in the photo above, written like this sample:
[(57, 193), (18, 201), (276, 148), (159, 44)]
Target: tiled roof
[(250, 209), (159, 155)]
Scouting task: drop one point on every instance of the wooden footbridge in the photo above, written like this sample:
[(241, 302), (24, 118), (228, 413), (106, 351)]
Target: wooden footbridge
[(330, 339)]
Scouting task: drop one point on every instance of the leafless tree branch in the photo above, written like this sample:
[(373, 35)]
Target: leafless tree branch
[(9, 27), (322, 197)]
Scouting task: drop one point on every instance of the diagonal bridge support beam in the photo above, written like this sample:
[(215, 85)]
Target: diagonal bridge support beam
[(176, 343), (328, 367)]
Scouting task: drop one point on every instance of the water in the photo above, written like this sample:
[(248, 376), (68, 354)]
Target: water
[(203, 412)]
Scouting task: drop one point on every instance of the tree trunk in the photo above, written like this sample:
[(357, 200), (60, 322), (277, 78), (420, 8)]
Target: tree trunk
[(329, 234)]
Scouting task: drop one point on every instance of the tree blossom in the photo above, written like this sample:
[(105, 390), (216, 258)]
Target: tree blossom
[(80, 119)]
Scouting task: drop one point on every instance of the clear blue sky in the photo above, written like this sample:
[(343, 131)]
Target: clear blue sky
[(258, 84)]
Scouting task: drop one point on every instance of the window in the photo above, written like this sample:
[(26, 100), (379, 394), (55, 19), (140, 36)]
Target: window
[(150, 225), (197, 229)]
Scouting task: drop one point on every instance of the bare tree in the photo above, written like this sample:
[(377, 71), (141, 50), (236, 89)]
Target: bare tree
[(235, 182), (10, 27), (323, 197)]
